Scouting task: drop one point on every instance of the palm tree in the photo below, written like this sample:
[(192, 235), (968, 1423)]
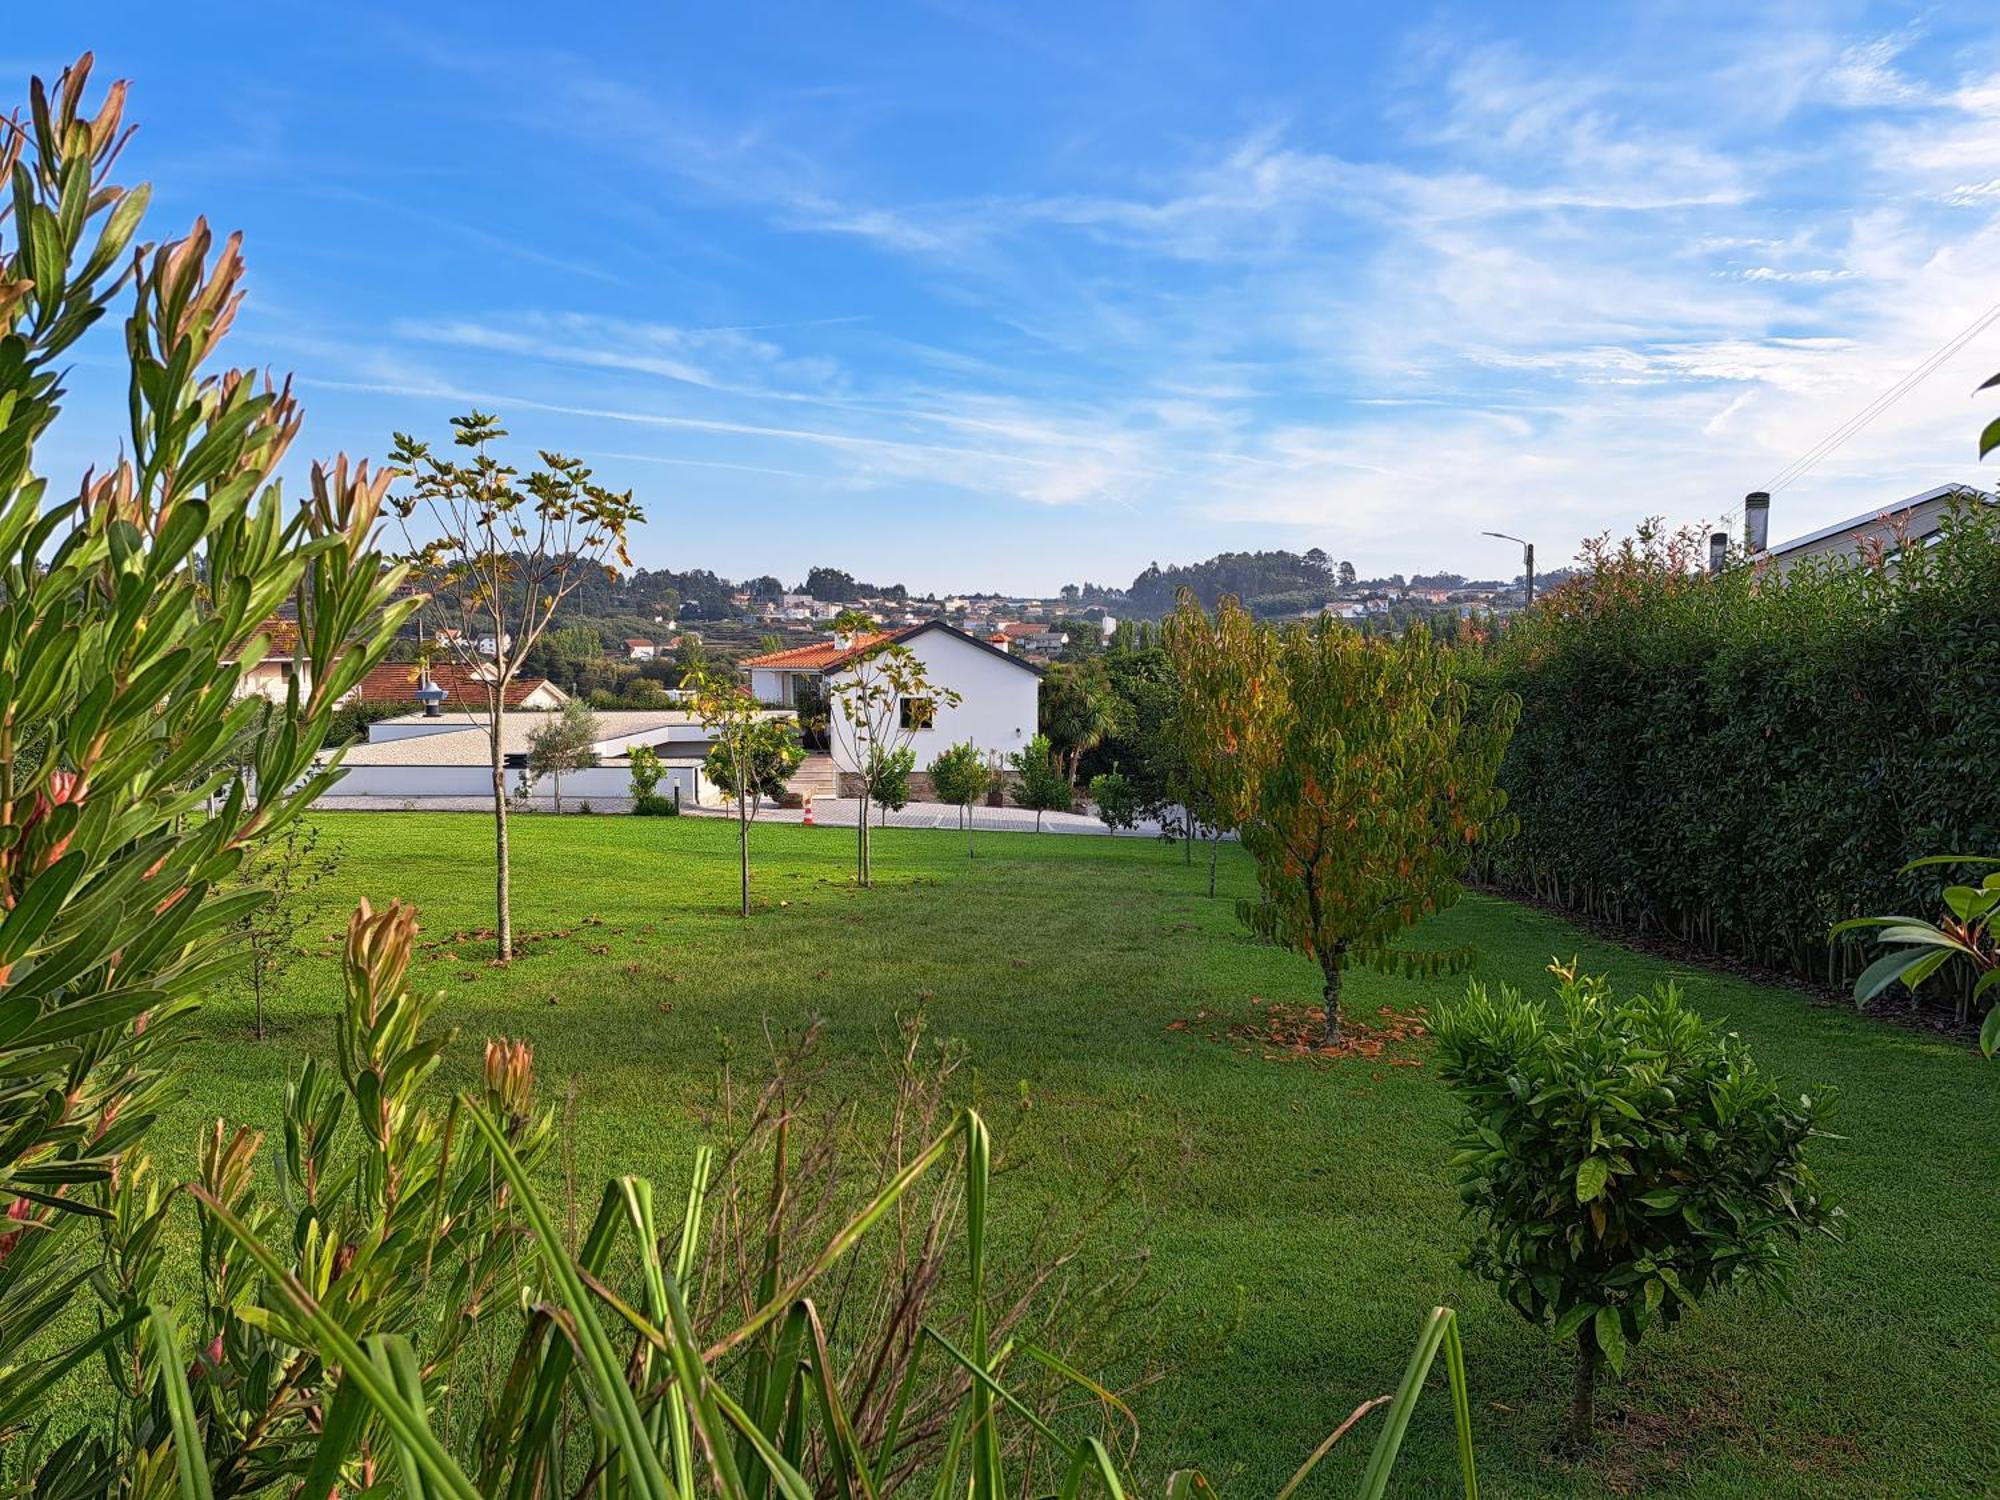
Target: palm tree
[(1079, 712)]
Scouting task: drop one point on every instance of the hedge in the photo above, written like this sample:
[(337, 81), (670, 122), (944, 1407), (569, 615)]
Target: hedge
[(1739, 761)]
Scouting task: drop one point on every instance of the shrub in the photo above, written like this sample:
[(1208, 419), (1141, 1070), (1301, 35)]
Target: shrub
[(1621, 1163), (653, 805), (1738, 762), (1043, 785), (960, 776), (891, 791), (351, 721), (1116, 799), (647, 770), (130, 613)]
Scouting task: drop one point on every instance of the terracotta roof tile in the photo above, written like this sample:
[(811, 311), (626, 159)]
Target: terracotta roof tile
[(396, 682), (822, 654)]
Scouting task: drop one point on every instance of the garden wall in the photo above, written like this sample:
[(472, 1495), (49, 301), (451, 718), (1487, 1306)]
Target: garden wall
[(1741, 761)]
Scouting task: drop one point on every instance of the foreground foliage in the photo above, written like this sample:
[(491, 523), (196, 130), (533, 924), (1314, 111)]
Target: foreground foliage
[(133, 777), (1621, 1163), (1915, 950)]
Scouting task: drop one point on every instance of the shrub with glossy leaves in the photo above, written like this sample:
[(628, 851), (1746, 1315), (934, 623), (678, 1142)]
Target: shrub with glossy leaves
[(1621, 1161), (1116, 800)]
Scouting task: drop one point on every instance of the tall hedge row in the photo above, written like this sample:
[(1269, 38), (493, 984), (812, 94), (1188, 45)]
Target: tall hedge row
[(1740, 761)]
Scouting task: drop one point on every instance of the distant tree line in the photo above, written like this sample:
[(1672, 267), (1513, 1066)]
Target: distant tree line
[(1268, 584)]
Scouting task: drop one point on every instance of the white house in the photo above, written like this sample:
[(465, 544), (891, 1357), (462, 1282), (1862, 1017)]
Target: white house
[(997, 693), (1914, 522)]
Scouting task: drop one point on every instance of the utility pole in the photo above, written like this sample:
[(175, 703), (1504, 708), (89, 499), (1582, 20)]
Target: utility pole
[(1527, 560)]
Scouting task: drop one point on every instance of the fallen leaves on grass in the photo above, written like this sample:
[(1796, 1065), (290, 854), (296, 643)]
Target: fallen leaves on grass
[(1277, 1032)]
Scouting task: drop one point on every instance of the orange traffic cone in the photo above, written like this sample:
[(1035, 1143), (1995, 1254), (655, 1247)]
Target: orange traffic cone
[(807, 821)]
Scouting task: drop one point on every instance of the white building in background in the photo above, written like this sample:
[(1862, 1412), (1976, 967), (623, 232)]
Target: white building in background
[(998, 693), (420, 758), (1913, 522)]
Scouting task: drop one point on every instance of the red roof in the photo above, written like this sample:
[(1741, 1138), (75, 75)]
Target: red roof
[(822, 654), (826, 655), (396, 682)]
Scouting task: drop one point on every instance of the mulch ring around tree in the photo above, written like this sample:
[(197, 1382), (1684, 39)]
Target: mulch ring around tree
[(1277, 1032)]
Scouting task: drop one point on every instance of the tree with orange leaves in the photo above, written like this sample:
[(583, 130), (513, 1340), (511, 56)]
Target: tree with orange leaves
[(1376, 792), (1228, 705)]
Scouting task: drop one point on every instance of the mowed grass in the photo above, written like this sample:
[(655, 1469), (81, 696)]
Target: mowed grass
[(1300, 1222)]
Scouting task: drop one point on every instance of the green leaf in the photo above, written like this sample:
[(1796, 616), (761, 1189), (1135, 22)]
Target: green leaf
[(190, 1461), (1610, 1337), (1591, 1177)]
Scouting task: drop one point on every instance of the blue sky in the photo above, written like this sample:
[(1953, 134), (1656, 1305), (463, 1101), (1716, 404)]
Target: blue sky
[(975, 295)]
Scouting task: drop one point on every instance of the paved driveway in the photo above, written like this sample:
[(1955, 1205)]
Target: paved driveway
[(836, 812)]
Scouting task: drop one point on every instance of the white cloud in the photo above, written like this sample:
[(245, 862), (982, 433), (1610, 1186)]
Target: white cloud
[(1554, 296)]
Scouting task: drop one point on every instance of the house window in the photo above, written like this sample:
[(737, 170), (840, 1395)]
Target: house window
[(918, 713)]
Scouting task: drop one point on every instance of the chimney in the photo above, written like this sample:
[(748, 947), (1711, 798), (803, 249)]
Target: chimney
[(1756, 522), (1718, 550)]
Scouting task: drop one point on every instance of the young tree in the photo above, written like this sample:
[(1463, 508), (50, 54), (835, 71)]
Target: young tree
[(132, 609), (565, 740), (1222, 729), (288, 868), (754, 754), (1367, 815), (503, 551), (960, 777), (1043, 785), (880, 701), (1621, 1163)]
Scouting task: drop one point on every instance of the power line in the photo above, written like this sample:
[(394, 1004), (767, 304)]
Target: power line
[(1867, 415)]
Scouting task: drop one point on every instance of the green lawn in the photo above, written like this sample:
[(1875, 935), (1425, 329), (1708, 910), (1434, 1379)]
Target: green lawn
[(1316, 1202)]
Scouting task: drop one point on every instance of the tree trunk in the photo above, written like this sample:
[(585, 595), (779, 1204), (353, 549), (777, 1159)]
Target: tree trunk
[(1331, 991), (966, 813), (743, 841), (1583, 1404), (1214, 843), (861, 854), (504, 916), (1187, 838), (555, 778)]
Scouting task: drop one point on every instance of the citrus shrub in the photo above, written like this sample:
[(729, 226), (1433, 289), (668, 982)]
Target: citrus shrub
[(1621, 1161), (1116, 800)]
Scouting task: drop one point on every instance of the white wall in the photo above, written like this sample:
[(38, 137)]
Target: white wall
[(599, 783), (997, 711), (769, 686)]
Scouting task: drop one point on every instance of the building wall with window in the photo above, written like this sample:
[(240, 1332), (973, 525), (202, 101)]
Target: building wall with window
[(997, 709)]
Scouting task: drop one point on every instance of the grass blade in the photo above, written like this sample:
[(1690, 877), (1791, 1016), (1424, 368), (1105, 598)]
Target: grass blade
[(190, 1457), (619, 1408)]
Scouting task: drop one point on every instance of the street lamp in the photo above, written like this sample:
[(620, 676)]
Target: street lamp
[(1527, 560)]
